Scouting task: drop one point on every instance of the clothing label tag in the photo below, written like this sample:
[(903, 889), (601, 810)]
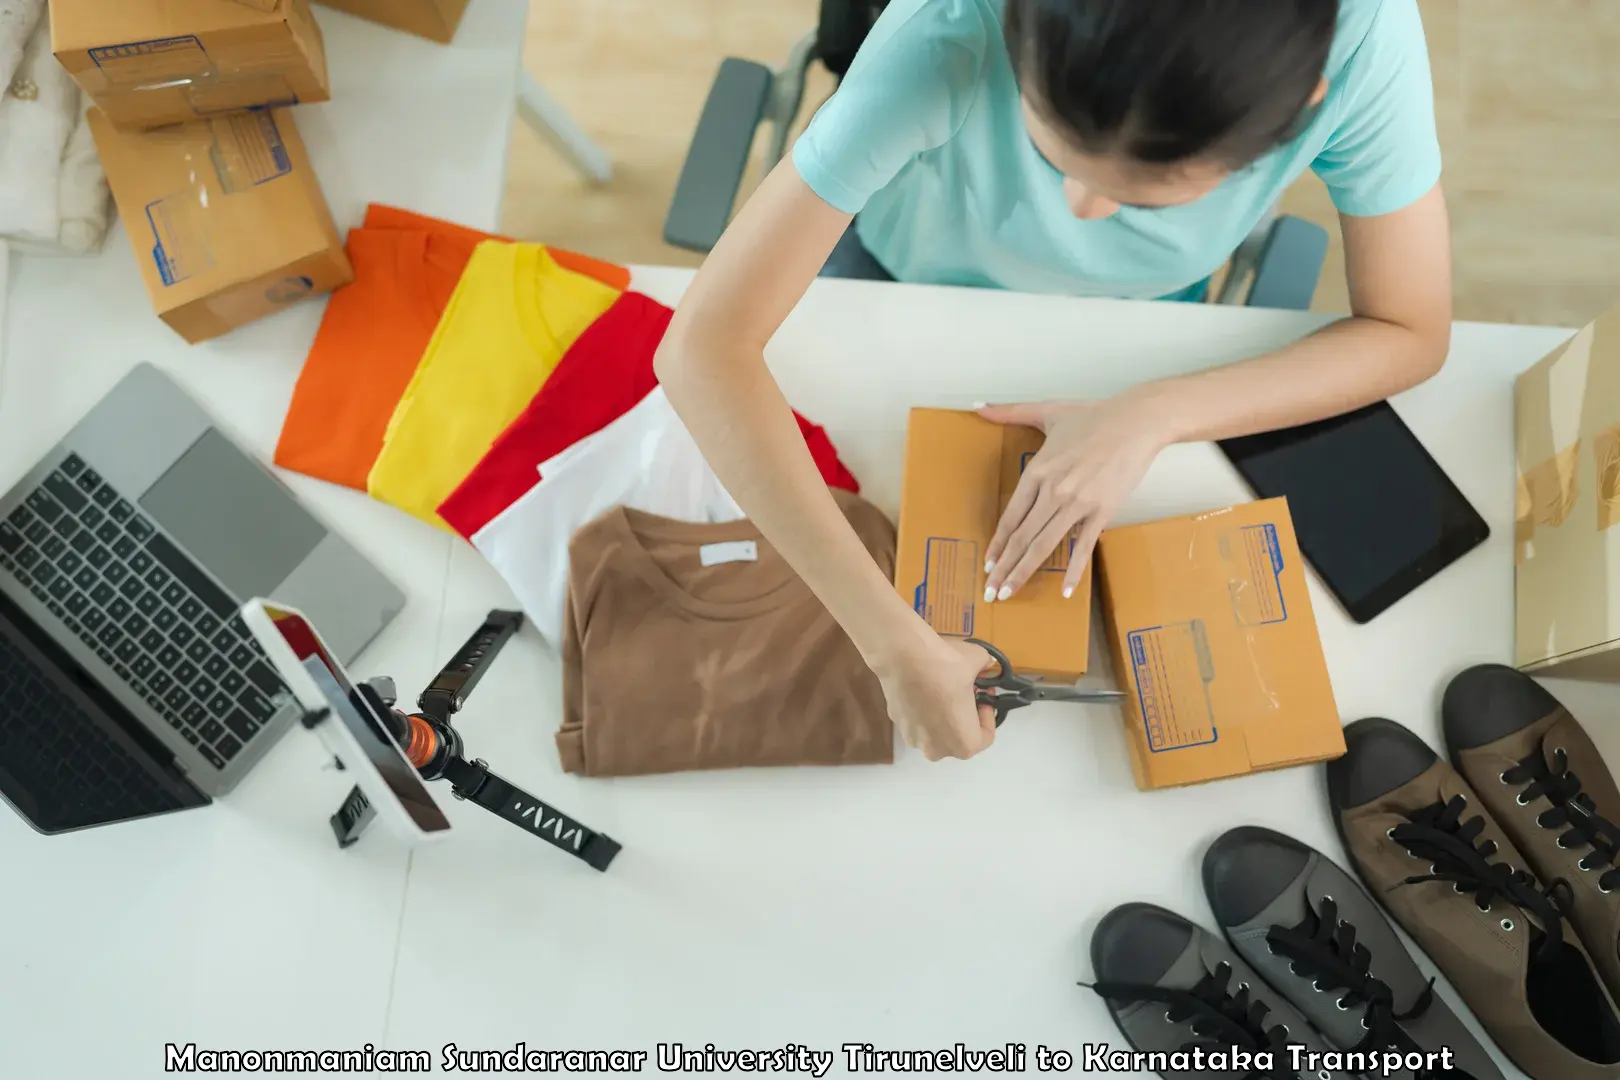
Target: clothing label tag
[(734, 551)]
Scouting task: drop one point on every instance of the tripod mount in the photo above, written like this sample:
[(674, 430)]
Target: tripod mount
[(434, 747)]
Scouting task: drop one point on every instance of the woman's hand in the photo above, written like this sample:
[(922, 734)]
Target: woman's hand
[(1095, 454), (928, 682)]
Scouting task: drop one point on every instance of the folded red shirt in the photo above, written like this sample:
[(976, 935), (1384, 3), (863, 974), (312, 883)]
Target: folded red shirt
[(602, 376)]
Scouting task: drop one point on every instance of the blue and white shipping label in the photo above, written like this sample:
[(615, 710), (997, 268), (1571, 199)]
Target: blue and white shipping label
[(947, 596), (1253, 561), (1172, 669), (161, 62), (247, 150), (181, 247)]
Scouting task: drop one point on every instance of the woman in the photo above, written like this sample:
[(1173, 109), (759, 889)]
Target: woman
[(1116, 148)]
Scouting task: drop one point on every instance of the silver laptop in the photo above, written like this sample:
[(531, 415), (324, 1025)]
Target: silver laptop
[(125, 555)]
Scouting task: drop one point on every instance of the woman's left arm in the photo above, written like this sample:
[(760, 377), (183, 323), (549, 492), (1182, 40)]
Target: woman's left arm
[(1399, 271), (1398, 268)]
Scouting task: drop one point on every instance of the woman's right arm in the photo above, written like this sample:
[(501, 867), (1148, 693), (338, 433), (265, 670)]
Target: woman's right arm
[(712, 367)]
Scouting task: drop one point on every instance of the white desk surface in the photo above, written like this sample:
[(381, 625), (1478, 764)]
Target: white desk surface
[(912, 906)]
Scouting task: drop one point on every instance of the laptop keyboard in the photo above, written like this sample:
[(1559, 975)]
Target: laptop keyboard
[(72, 770), (144, 607)]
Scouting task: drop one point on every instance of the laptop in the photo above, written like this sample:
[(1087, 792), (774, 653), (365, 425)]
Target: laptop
[(128, 684)]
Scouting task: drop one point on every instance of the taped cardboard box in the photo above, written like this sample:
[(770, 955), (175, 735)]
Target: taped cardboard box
[(436, 20), (226, 217), (960, 473), (1566, 546), (148, 63), (1214, 641)]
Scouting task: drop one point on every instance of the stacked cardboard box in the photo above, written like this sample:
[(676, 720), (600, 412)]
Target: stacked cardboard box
[(152, 63), (192, 117)]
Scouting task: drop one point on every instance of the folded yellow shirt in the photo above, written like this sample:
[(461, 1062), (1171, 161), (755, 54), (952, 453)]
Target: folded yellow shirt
[(513, 315)]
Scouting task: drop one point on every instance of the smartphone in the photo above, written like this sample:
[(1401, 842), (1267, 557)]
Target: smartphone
[(1375, 515), (353, 731)]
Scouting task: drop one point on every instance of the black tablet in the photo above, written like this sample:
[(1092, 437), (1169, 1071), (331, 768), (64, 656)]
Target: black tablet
[(1375, 514)]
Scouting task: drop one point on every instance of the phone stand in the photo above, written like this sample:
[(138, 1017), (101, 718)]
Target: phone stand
[(433, 745)]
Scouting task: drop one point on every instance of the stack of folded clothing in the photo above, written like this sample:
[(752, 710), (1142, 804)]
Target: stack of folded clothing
[(418, 290), (505, 392), (53, 192), (458, 362)]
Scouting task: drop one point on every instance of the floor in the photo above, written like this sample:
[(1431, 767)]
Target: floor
[(1528, 98)]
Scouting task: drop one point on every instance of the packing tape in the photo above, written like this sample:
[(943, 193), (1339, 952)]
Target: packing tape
[(1552, 487), (1606, 451), (1524, 519), (180, 65)]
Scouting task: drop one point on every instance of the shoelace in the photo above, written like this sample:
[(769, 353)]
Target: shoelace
[(1456, 854), (1223, 1016), (1324, 948), (1571, 807)]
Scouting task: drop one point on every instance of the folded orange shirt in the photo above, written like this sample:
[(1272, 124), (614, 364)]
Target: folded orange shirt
[(373, 335), (379, 216)]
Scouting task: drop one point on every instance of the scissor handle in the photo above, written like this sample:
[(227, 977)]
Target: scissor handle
[(1004, 678), (1004, 674)]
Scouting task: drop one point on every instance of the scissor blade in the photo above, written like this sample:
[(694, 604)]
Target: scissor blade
[(1074, 693)]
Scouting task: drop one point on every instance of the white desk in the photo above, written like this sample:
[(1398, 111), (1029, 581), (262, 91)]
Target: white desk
[(913, 906)]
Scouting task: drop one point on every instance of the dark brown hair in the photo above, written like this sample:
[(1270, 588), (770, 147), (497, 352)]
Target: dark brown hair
[(1171, 81)]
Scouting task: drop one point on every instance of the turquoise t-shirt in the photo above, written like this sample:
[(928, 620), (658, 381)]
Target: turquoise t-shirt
[(925, 140)]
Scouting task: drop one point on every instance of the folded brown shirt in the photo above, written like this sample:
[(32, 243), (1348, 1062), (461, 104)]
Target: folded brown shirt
[(695, 646)]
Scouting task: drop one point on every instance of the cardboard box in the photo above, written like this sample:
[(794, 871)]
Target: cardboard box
[(148, 63), (226, 217), (1566, 548), (1213, 639), (960, 472), (436, 20)]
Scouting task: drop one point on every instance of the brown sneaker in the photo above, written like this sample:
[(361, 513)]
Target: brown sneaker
[(1544, 782), (1430, 852)]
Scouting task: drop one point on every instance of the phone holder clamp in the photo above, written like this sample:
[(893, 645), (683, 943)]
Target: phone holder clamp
[(433, 745)]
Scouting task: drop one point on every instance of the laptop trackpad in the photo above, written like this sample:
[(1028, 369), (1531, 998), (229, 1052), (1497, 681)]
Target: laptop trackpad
[(233, 518)]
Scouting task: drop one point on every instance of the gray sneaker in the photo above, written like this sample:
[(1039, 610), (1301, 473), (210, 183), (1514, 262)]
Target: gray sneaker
[(1192, 1007), (1322, 944)]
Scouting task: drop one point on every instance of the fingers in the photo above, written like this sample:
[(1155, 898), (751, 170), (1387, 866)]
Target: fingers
[(1024, 415), (977, 655), (987, 725), (1018, 508), (1023, 532), (939, 716), (971, 739), (1085, 543), (1036, 551), (973, 742)]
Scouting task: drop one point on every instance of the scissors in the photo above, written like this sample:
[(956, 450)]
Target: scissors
[(1007, 690)]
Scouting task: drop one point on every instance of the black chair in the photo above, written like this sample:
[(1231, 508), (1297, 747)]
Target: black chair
[(1278, 266)]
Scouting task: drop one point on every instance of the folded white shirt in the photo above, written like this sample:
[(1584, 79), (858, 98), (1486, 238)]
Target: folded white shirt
[(645, 460)]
